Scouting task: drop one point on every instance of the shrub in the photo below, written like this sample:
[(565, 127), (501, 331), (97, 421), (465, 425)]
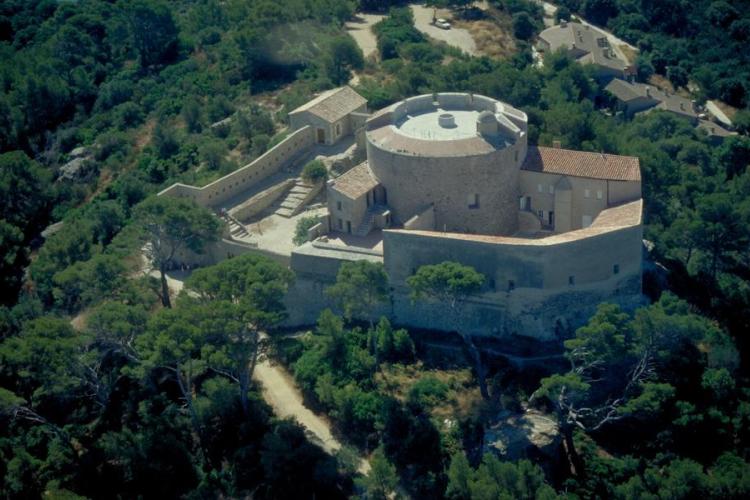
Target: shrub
[(428, 392), (303, 225), (315, 171)]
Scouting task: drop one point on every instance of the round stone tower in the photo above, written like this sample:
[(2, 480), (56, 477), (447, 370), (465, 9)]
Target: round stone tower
[(460, 153)]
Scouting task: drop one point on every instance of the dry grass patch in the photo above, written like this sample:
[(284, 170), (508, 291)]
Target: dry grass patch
[(461, 398), (661, 82), (493, 36), (629, 53), (728, 110)]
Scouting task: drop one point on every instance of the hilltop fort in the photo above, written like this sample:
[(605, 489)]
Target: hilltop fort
[(437, 177)]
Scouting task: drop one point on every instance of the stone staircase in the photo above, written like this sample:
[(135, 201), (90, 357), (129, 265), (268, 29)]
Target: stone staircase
[(368, 222), (294, 198), (236, 229)]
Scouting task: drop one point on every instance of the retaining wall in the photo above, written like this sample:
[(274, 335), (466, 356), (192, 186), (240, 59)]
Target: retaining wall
[(270, 162), (261, 201)]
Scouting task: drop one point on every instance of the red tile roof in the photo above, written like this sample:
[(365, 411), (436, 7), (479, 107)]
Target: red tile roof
[(582, 164), (355, 182)]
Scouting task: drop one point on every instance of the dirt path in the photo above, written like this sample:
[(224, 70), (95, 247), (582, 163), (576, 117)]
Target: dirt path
[(281, 393), (360, 28)]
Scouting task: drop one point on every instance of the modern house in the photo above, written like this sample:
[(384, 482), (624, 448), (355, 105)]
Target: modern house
[(587, 45), (633, 98)]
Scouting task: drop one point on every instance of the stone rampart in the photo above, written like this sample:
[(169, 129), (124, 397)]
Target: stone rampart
[(270, 162)]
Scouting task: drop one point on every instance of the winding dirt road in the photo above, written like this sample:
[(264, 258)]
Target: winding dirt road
[(282, 394)]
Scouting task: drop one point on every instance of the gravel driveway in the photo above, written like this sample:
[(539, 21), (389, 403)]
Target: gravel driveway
[(457, 37)]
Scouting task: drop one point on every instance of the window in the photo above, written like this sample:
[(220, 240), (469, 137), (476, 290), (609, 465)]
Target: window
[(511, 285), (586, 193), (551, 189), (473, 201), (338, 205), (599, 194), (571, 280), (338, 129), (539, 188), (616, 269), (540, 213)]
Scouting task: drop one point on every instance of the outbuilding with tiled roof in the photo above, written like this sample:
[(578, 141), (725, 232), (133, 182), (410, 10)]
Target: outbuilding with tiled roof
[(330, 114)]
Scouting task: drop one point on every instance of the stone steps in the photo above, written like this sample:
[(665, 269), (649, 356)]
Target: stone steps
[(293, 199), (236, 229)]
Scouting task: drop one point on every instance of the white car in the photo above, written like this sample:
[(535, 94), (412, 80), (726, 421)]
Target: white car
[(442, 24)]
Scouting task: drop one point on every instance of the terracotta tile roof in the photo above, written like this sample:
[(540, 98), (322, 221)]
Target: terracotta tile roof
[(356, 182), (334, 104), (582, 164)]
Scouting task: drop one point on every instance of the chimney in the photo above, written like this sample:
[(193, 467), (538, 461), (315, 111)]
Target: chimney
[(556, 144), (648, 91)]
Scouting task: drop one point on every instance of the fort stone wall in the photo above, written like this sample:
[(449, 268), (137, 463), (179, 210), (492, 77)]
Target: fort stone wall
[(214, 194)]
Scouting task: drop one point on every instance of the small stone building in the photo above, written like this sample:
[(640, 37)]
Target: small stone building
[(357, 202), (330, 114)]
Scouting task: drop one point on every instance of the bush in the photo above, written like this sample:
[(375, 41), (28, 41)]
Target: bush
[(315, 172), (303, 225), (428, 392), (128, 115), (523, 26)]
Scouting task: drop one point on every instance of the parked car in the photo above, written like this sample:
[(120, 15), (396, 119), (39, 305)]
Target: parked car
[(442, 24)]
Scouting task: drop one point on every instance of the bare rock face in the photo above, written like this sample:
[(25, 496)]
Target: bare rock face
[(530, 434), (80, 165)]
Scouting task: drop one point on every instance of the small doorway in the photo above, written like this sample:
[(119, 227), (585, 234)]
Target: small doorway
[(525, 203), (321, 136), (552, 218), (349, 227)]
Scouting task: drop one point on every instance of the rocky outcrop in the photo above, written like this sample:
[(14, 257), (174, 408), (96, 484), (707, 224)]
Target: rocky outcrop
[(530, 434)]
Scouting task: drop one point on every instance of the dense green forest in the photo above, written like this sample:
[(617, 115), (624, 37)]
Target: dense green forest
[(151, 398)]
